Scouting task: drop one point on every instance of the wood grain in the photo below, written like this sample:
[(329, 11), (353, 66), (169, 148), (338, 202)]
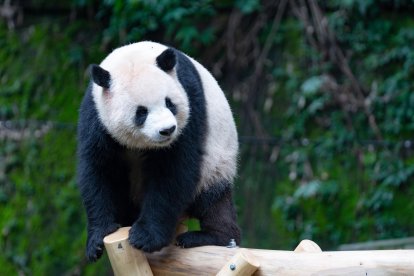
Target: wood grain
[(125, 260), (209, 260), (244, 263)]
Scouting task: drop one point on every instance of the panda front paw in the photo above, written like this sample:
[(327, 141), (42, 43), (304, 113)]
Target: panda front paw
[(94, 244), (148, 238)]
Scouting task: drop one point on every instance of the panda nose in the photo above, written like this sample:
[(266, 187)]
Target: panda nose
[(167, 131)]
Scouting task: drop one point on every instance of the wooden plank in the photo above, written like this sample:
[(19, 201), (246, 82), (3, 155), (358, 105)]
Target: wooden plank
[(208, 260), (404, 243)]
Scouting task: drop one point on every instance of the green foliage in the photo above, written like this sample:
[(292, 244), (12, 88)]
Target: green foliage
[(345, 184), (181, 22), (41, 218)]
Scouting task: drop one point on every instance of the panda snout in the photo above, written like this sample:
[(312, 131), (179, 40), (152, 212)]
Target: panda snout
[(167, 131)]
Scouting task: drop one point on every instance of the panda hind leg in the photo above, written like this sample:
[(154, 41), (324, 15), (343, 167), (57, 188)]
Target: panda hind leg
[(217, 216)]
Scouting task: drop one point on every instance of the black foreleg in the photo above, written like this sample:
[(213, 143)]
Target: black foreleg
[(100, 210), (170, 189), (160, 212), (100, 175)]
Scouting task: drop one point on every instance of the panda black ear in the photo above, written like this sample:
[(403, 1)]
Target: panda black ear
[(166, 60), (100, 76)]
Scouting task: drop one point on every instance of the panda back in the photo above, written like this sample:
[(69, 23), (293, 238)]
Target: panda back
[(221, 142)]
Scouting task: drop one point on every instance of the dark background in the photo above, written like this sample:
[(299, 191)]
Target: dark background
[(322, 92)]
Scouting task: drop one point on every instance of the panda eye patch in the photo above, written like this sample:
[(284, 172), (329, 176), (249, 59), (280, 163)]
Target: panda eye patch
[(141, 115), (169, 104)]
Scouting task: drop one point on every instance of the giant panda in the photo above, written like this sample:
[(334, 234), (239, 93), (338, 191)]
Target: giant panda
[(156, 141)]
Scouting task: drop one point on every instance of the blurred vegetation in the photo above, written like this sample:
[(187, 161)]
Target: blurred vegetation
[(322, 92)]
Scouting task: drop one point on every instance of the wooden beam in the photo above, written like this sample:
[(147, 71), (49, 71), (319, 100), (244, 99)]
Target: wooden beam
[(243, 263), (125, 260), (208, 260), (403, 243)]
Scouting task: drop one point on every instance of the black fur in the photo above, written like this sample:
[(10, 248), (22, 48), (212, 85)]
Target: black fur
[(100, 76), (171, 106), (170, 178), (167, 60), (101, 178), (217, 217), (141, 115)]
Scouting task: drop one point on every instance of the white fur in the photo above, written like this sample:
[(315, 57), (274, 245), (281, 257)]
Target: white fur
[(159, 118), (136, 80)]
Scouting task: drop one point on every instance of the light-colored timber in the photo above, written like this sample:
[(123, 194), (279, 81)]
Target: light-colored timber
[(307, 246), (125, 260), (244, 263), (209, 260), (403, 243)]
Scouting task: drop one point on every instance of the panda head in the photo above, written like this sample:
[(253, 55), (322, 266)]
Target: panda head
[(138, 97)]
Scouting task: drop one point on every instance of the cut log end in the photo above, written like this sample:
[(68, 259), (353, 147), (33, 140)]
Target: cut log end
[(243, 263), (120, 235), (125, 260), (307, 246)]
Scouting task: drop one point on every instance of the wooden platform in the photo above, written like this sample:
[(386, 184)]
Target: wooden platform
[(306, 259)]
